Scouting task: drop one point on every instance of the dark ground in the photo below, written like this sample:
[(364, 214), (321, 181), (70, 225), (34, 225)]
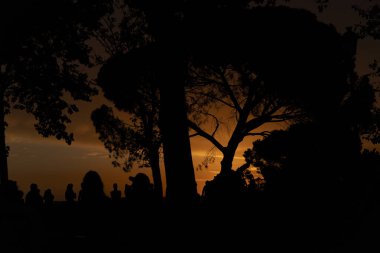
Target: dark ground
[(116, 228)]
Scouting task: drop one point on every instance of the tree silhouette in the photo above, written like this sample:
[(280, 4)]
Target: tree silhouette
[(371, 16), (137, 140), (370, 28), (322, 160), (276, 74), (354, 121), (42, 47), (181, 186), (192, 34), (137, 143)]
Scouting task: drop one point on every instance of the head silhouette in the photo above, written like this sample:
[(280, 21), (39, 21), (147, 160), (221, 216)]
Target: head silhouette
[(141, 192), (34, 188), (48, 197), (140, 182), (115, 193), (92, 187), (33, 197), (70, 195)]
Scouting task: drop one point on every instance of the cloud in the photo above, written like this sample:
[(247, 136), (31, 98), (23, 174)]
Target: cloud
[(97, 154)]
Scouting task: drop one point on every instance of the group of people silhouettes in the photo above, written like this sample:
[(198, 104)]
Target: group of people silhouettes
[(91, 191), (88, 216)]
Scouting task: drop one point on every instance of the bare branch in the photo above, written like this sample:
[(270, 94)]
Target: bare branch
[(216, 121), (242, 168), (263, 134), (207, 136), (248, 106), (201, 79), (230, 92), (286, 116), (278, 120), (193, 135), (272, 110), (255, 123), (211, 97)]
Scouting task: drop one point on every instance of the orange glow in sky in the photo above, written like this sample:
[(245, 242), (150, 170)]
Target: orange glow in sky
[(53, 164)]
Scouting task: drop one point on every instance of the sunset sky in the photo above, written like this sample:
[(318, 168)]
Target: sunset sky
[(53, 164)]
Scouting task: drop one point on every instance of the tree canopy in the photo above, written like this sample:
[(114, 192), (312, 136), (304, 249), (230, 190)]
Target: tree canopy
[(42, 47), (260, 66), (266, 64)]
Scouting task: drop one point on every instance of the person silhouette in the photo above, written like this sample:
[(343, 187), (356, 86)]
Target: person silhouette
[(115, 193), (48, 197), (93, 208), (141, 192), (70, 195), (92, 188), (33, 197)]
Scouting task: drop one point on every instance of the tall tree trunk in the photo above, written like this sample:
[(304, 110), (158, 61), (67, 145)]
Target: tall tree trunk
[(156, 173), (226, 163), (181, 186), (236, 138), (229, 155), (3, 147)]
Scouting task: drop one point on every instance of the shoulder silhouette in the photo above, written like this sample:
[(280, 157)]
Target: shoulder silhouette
[(70, 195), (115, 193), (33, 197), (48, 197), (141, 191)]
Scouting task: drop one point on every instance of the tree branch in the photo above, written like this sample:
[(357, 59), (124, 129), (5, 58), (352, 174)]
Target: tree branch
[(205, 135), (230, 92), (212, 97), (193, 135), (255, 123), (216, 121), (286, 116), (201, 79), (242, 168), (263, 134)]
